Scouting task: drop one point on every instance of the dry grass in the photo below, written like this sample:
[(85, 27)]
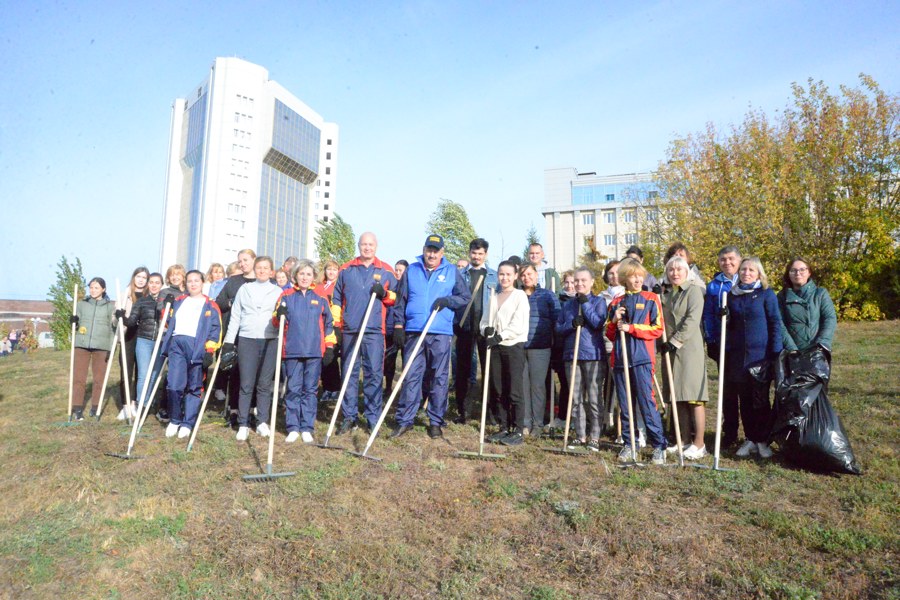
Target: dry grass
[(423, 524)]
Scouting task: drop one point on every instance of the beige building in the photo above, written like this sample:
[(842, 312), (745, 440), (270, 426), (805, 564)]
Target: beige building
[(608, 212)]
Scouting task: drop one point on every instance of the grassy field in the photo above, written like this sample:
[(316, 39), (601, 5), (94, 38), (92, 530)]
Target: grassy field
[(423, 524)]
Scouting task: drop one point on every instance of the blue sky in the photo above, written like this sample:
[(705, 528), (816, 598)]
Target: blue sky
[(463, 100)]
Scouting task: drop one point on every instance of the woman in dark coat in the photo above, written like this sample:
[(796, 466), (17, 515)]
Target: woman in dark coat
[(807, 312)]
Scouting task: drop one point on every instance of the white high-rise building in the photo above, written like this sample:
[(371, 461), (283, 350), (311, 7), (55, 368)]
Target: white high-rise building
[(250, 166)]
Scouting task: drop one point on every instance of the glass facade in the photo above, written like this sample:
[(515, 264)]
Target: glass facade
[(192, 162), (599, 193)]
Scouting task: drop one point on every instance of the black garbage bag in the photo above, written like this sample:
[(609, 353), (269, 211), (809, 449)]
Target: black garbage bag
[(807, 428)]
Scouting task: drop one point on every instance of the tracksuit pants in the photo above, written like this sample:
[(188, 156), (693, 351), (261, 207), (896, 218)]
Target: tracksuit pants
[(642, 397), (256, 364), (589, 377), (300, 402), (371, 360), (431, 364), (185, 382), (97, 360)]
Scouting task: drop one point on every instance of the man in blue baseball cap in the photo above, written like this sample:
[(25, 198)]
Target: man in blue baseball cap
[(431, 284)]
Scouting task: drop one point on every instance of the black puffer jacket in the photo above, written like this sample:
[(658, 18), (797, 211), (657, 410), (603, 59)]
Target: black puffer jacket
[(145, 316)]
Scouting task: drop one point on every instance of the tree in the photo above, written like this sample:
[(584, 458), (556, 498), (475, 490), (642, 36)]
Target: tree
[(451, 221), (530, 238), (335, 240), (60, 295), (820, 180)]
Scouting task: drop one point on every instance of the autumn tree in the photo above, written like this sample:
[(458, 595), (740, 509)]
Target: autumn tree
[(68, 275), (451, 221), (335, 240), (818, 180)]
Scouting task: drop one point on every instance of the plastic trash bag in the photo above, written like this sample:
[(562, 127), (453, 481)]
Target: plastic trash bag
[(807, 428)]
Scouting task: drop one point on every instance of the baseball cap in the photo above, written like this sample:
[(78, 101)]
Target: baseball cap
[(435, 241)]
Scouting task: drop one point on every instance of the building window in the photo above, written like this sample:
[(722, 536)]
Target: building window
[(652, 214), (610, 197), (328, 142), (325, 219), (631, 238), (327, 183), (628, 216), (317, 208), (609, 216), (328, 170), (587, 218), (317, 193), (328, 156), (326, 208), (327, 194), (609, 240)]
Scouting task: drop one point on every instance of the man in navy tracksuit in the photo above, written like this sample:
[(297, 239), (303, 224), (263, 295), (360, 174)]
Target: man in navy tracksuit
[(432, 283), (356, 282)]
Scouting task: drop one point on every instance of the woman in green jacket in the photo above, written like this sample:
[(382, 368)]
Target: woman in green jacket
[(807, 312), (94, 318)]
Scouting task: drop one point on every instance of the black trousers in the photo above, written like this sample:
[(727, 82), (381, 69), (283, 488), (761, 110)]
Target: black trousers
[(127, 356), (756, 409), (465, 343), (507, 366)]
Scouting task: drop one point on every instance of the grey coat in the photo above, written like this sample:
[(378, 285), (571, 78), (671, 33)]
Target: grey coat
[(683, 311)]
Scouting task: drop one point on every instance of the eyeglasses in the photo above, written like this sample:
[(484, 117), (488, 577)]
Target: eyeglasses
[(798, 271)]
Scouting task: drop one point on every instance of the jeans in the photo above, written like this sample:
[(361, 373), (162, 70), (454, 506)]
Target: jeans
[(142, 350)]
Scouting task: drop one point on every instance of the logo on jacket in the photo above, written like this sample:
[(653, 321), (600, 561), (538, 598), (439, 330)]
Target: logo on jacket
[(314, 302), (442, 278)]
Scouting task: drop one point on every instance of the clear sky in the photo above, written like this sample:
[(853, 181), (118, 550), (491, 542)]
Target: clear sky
[(463, 100)]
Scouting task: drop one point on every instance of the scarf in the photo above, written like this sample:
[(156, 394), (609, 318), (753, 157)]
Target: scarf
[(746, 288)]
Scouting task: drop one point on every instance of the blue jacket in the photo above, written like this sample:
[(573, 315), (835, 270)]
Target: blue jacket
[(484, 299), (754, 327), (712, 322), (591, 346), (209, 329), (543, 313), (351, 295), (644, 312), (418, 291), (308, 329)]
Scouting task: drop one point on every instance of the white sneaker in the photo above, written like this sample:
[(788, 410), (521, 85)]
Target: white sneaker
[(263, 430), (292, 437), (693, 452), (183, 432), (746, 449), (307, 437), (121, 415), (764, 450), (674, 448), (242, 434), (171, 430), (220, 395)]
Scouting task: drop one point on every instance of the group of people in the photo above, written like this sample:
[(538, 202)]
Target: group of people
[(337, 322)]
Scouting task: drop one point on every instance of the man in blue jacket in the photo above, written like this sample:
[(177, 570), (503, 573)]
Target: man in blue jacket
[(480, 279), (356, 282), (432, 283)]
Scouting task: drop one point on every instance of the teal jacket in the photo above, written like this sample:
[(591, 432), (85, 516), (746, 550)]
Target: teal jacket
[(808, 317), (95, 324)]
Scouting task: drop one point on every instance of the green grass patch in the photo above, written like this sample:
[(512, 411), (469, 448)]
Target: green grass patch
[(136, 530), (496, 486)]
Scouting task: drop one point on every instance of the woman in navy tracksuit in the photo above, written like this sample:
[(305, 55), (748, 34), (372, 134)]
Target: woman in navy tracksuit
[(193, 334), (308, 346), (754, 342)]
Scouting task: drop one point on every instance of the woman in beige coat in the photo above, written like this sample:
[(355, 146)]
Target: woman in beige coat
[(683, 311)]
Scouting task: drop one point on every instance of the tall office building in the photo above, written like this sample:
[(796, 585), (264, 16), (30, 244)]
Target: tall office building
[(250, 166), (609, 212)]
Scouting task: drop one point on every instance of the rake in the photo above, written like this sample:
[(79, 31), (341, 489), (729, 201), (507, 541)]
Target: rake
[(481, 455), (407, 364), (565, 450), (721, 391), (109, 364), (149, 402), (209, 389), (628, 400), (69, 420), (269, 475), (348, 370)]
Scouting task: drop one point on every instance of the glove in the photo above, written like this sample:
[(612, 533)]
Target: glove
[(578, 321), (328, 357), (227, 358), (489, 331), (657, 289), (339, 336), (73, 320), (442, 302), (281, 311), (493, 340), (399, 337), (582, 298), (723, 311), (208, 359), (667, 347), (712, 351), (169, 299), (120, 313), (378, 290)]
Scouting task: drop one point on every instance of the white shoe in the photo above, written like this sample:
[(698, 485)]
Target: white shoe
[(220, 395), (242, 434), (307, 437), (263, 430), (642, 441), (693, 452), (183, 432), (121, 416), (292, 437), (171, 430), (674, 448), (746, 449), (764, 450)]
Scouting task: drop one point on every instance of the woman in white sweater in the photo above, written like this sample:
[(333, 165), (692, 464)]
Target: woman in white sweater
[(505, 329), (251, 325)]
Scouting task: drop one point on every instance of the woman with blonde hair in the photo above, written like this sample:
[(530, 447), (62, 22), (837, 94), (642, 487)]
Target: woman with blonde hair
[(215, 280), (331, 372)]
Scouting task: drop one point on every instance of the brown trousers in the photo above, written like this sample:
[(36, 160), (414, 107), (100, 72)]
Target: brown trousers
[(97, 360)]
